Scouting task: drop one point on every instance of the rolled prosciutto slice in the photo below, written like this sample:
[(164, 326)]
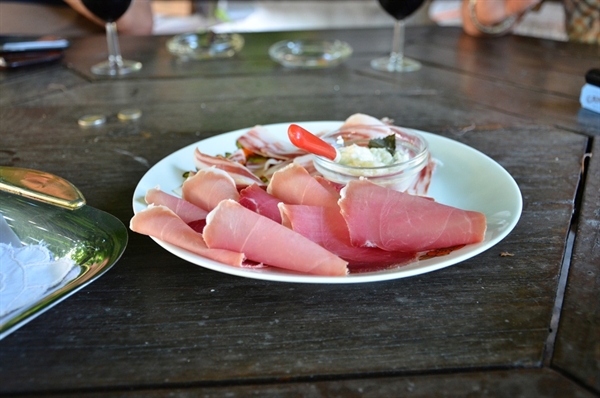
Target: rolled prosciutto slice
[(240, 174), (259, 201), (231, 226), (365, 126), (261, 141), (208, 187), (328, 228), (184, 209), (162, 223), (294, 185), (397, 221)]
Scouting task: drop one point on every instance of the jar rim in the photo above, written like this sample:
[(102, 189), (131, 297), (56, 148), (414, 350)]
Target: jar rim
[(364, 133)]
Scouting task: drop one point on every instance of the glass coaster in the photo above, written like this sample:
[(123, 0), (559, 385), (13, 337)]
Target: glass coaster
[(310, 53), (205, 45)]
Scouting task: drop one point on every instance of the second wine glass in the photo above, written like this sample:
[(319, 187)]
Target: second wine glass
[(109, 11), (396, 61)]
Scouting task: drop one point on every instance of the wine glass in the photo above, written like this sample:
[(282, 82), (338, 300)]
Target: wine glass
[(396, 61), (109, 11)]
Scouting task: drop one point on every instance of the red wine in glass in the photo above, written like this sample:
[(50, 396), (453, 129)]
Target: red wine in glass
[(396, 61), (109, 11)]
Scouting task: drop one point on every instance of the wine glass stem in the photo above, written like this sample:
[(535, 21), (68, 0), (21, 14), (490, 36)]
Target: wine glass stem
[(114, 52), (397, 54)]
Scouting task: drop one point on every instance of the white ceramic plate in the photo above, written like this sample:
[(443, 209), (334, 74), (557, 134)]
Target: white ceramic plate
[(465, 178)]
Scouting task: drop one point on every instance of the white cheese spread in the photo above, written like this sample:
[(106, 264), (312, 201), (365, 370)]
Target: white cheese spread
[(360, 156)]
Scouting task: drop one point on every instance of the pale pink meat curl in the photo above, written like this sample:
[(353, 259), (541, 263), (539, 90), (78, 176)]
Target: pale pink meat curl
[(162, 223), (208, 187), (294, 185), (397, 221), (184, 209), (327, 227), (231, 226)]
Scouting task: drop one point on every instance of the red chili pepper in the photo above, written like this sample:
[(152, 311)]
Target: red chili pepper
[(309, 142)]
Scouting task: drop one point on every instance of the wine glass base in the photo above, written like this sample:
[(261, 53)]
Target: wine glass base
[(389, 64), (107, 68)]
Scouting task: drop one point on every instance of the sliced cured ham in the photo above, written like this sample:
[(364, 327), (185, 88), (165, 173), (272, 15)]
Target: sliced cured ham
[(360, 119), (259, 201), (396, 221), (333, 187), (240, 174), (327, 227), (231, 226), (294, 185), (365, 127), (208, 187), (162, 223), (184, 209), (261, 141), (306, 161)]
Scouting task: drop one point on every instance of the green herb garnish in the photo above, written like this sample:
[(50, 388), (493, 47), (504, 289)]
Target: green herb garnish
[(388, 143)]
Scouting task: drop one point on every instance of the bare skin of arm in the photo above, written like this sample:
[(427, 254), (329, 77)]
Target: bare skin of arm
[(136, 21), (492, 12)]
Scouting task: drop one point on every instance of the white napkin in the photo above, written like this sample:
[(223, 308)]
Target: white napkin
[(7, 235), (29, 273)]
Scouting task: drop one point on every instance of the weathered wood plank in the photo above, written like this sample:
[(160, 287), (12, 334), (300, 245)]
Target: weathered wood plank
[(565, 59), (510, 68), (342, 85), (22, 86), (513, 87), (159, 318), (521, 383), (547, 54), (454, 64), (578, 344)]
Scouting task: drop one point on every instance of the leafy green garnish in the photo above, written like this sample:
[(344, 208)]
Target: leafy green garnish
[(388, 143)]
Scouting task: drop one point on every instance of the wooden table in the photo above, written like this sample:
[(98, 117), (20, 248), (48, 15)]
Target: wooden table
[(526, 325)]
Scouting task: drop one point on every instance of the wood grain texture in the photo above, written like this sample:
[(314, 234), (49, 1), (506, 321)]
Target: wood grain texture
[(156, 324), (578, 344), (23, 85), (521, 383), (500, 74), (158, 318)]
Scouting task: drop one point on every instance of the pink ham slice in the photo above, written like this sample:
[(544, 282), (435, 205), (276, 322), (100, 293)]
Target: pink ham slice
[(365, 126), (208, 187), (360, 119), (327, 227), (162, 223), (397, 221), (333, 187), (294, 185), (259, 201), (240, 174), (184, 209), (231, 226), (261, 141)]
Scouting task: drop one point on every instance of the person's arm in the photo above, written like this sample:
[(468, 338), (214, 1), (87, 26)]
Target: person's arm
[(136, 21), (490, 13)]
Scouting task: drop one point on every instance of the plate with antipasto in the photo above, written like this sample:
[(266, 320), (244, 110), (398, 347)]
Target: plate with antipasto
[(251, 204)]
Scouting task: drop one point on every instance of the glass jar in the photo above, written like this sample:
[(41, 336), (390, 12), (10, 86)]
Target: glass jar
[(401, 176)]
